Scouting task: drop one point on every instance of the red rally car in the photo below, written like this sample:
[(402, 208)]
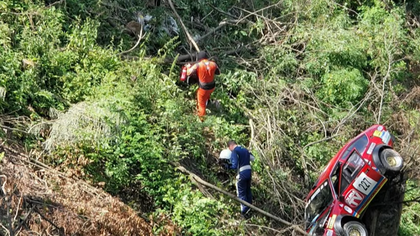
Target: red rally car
[(337, 201)]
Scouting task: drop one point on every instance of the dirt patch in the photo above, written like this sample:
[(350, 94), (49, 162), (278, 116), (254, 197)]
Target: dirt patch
[(36, 198)]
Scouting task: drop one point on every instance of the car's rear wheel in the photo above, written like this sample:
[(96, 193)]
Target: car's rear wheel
[(391, 160), (354, 228)]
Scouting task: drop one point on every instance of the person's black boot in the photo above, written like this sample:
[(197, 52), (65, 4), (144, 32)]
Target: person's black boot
[(247, 214)]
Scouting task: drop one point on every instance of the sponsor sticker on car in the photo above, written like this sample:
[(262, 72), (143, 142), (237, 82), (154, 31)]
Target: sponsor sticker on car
[(329, 233), (331, 222), (348, 209), (385, 136), (371, 147), (353, 198), (377, 133)]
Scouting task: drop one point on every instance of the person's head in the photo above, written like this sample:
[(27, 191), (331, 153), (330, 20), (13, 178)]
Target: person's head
[(214, 58), (202, 55), (231, 144)]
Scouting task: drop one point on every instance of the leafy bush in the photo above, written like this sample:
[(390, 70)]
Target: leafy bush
[(410, 220), (279, 63), (336, 47), (343, 88), (384, 29)]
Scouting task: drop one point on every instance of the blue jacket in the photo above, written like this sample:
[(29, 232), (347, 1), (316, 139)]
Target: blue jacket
[(241, 158)]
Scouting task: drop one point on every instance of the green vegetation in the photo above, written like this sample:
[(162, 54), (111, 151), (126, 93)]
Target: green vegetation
[(304, 71)]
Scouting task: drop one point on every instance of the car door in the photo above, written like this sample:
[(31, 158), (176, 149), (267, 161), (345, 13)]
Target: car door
[(358, 182), (350, 171)]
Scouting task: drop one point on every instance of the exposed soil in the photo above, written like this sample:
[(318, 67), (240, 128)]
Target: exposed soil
[(38, 200)]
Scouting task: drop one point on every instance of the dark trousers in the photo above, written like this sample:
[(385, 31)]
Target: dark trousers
[(243, 188)]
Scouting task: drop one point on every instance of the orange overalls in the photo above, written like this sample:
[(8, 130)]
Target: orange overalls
[(205, 72)]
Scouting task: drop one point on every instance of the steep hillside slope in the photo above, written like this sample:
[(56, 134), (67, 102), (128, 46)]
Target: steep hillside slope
[(41, 200)]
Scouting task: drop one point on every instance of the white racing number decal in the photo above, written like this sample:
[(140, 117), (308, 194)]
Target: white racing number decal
[(364, 183)]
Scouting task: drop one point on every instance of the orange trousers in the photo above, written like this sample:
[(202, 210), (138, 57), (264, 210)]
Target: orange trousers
[(202, 97)]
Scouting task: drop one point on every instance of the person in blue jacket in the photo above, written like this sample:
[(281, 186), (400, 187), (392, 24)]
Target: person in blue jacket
[(240, 161)]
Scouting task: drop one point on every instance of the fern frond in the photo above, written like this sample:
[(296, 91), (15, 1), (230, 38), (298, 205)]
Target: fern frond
[(84, 122)]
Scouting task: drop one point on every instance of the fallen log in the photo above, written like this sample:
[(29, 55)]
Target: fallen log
[(191, 57)]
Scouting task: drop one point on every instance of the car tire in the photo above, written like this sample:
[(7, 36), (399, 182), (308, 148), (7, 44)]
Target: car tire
[(354, 228), (391, 160)]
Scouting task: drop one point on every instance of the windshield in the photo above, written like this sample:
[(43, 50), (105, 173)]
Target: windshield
[(321, 198), (359, 144)]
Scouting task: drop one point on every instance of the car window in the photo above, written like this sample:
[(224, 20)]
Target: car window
[(321, 198), (335, 177), (351, 169), (359, 144)]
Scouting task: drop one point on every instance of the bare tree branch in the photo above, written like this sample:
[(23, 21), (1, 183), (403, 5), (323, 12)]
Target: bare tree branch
[(183, 27), (205, 183), (137, 43), (221, 24), (388, 72)]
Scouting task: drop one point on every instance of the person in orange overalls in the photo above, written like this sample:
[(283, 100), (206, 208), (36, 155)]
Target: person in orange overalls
[(205, 70)]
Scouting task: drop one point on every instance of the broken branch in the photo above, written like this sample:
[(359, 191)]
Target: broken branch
[(223, 23), (60, 229), (205, 183), (138, 41), (4, 183), (183, 26)]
